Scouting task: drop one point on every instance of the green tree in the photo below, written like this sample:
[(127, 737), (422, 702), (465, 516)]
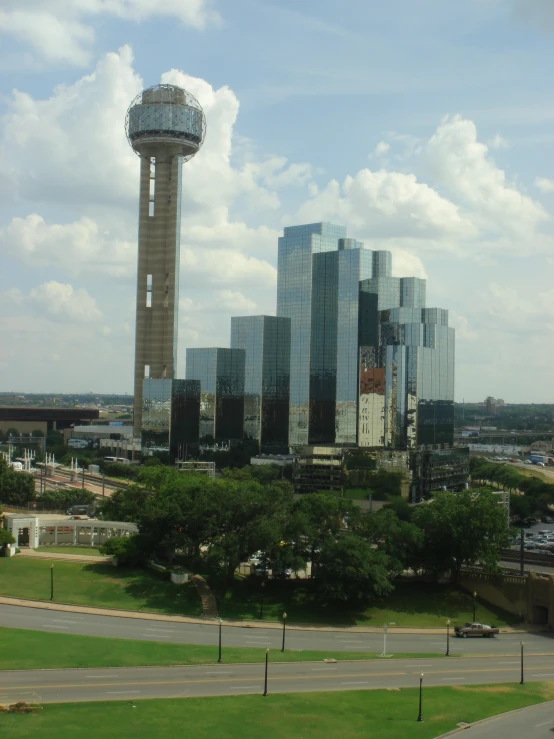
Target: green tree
[(16, 488), (461, 529), (351, 570)]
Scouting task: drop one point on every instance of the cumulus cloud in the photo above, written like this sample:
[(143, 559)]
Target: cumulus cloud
[(388, 204), (62, 30), (381, 149), (56, 300), (459, 161), (544, 184)]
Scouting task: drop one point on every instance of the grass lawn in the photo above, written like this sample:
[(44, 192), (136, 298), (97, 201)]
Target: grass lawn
[(98, 585), (27, 650), (91, 551), (414, 604), (379, 714)]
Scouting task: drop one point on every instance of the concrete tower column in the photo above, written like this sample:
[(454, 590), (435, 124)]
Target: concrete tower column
[(157, 273)]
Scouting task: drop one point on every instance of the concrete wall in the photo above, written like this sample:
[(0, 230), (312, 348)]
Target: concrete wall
[(530, 597)]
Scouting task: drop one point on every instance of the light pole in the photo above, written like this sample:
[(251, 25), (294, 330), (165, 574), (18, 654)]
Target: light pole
[(284, 630), (262, 600), (266, 663), (448, 638), (420, 717), (522, 681), (52, 582), (219, 657), (474, 604)]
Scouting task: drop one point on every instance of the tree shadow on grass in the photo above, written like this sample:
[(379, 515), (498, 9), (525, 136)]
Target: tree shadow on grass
[(151, 591)]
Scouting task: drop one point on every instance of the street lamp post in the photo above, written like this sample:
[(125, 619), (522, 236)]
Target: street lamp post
[(474, 604), (219, 657), (420, 717), (52, 582), (266, 663), (262, 600), (448, 638), (522, 681), (284, 630)]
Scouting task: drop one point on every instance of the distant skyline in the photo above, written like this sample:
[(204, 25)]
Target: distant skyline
[(425, 128)]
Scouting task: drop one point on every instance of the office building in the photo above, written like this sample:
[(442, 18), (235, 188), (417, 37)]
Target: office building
[(221, 376), (266, 344), (165, 126), (170, 415)]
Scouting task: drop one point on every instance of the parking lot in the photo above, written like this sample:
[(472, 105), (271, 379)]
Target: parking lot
[(539, 538)]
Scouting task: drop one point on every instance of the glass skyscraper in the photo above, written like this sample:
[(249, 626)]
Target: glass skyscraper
[(221, 376), (170, 414), (353, 358), (266, 344)]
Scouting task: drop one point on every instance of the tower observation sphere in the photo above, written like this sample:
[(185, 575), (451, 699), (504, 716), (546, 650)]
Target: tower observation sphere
[(165, 126)]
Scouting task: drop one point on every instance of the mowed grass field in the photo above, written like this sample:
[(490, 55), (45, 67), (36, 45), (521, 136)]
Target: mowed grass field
[(26, 650), (379, 714), (97, 584), (411, 604)]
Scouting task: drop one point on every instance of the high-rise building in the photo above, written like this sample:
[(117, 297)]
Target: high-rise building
[(165, 126), (266, 343), (221, 376), (170, 415)]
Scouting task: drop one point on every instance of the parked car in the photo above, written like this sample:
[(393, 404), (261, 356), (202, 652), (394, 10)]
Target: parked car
[(475, 629)]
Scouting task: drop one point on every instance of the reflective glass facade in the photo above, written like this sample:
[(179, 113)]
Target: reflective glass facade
[(295, 281), (221, 376), (170, 414), (266, 343)]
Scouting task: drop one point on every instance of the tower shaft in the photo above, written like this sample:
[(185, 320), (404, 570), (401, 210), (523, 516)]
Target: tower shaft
[(158, 271)]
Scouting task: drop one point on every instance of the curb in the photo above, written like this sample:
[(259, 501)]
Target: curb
[(490, 718)]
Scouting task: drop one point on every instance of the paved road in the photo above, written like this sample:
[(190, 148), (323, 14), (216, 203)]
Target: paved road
[(535, 722), (243, 636), (54, 686)]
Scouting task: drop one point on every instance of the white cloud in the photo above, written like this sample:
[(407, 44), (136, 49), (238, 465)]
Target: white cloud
[(73, 248), (544, 184), (381, 149), (462, 326), (383, 203), (63, 302), (459, 161), (55, 300), (61, 30)]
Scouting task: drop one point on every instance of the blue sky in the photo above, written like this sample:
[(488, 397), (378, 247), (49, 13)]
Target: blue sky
[(425, 127)]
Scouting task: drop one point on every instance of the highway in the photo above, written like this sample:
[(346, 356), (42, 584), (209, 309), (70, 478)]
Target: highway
[(63, 622), (55, 686)]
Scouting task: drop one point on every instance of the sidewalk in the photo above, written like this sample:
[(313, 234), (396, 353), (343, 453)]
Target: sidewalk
[(67, 608)]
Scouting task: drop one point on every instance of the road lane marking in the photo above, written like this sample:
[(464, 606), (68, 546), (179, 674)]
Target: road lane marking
[(63, 621), (319, 669), (155, 636), (537, 726), (121, 692), (248, 687), (226, 680), (453, 678), (363, 682), (98, 677), (419, 665), (53, 626), (544, 674)]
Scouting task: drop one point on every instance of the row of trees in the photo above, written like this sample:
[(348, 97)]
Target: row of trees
[(215, 524), (537, 496)]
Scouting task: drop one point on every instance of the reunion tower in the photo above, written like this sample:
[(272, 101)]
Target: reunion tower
[(165, 125)]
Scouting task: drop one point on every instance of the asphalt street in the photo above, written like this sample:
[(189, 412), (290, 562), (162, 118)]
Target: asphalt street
[(246, 636), (535, 722), (55, 686)]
